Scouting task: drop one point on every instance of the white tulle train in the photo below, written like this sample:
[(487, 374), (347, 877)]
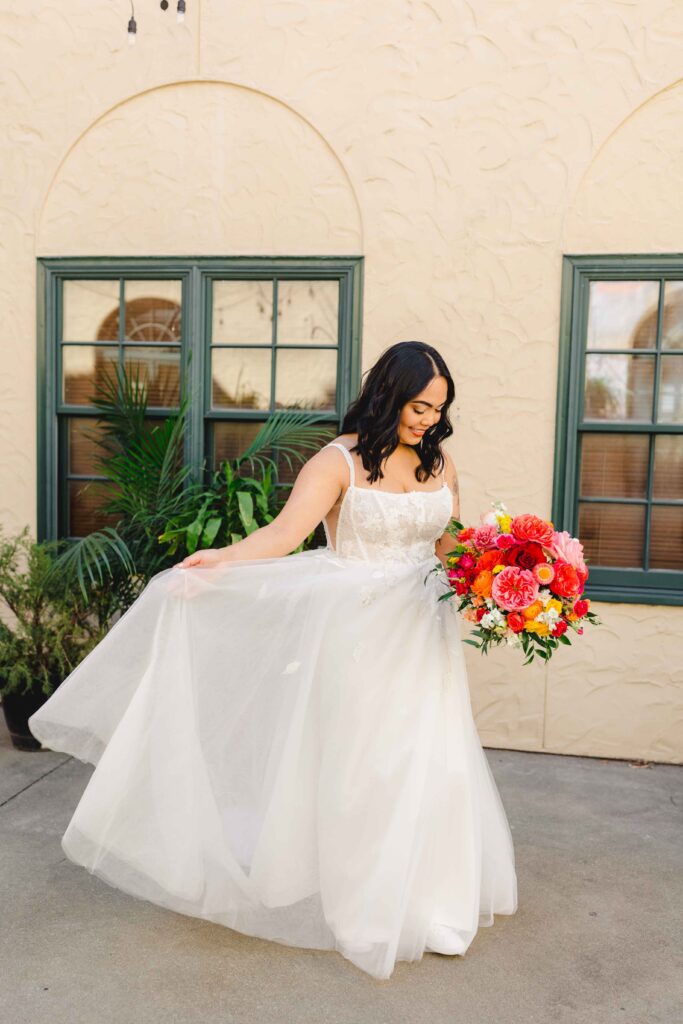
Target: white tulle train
[(286, 747)]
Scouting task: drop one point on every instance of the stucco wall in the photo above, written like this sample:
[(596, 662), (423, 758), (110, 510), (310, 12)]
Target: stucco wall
[(461, 148)]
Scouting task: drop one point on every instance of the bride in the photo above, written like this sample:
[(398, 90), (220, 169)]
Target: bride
[(283, 741)]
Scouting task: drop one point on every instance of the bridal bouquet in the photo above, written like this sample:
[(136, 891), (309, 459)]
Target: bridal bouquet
[(520, 580)]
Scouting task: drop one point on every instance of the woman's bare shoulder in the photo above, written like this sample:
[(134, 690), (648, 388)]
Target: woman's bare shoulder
[(348, 440)]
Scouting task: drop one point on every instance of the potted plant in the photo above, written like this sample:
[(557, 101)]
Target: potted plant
[(161, 510), (46, 628)]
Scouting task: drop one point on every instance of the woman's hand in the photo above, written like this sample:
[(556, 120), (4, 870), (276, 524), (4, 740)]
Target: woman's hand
[(208, 557)]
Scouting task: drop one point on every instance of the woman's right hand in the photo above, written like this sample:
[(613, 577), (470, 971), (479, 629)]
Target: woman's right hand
[(206, 557)]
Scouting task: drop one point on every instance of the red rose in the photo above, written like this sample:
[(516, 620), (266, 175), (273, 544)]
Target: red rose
[(560, 628), (516, 622), (530, 527), (526, 556), (580, 608), (566, 582), (481, 612)]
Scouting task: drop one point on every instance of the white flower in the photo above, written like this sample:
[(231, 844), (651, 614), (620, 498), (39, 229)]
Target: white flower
[(491, 619)]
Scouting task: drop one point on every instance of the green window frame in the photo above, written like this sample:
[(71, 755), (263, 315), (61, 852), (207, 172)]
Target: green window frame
[(577, 433), (197, 277)]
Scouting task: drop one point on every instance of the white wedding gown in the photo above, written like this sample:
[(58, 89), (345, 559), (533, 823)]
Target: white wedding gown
[(285, 746)]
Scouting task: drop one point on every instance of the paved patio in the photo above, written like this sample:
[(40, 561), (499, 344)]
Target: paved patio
[(596, 939)]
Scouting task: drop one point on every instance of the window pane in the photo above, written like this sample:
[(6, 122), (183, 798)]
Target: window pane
[(308, 312), (153, 311), (619, 387), (666, 537), (232, 438), (242, 312), (668, 470), (82, 367), (672, 327), (670, 404), (240, 378), (83, 452), (306, 379), (622, 314), (91, 310), (86, 498), (612, 534), (159, 369), (614, 466)]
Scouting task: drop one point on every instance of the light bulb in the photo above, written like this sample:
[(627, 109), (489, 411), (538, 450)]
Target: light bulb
[(132, 32), (181, 11)]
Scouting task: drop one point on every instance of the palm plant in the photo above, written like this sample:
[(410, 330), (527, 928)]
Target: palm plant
[(161, 509)]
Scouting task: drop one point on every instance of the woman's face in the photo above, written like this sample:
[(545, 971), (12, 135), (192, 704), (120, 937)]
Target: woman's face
[(422, 411)]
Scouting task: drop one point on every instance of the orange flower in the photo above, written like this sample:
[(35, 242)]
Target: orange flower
[(482, 582), (489, 559), (532, 610)]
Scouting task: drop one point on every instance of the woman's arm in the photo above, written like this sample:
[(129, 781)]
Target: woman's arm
[(316, 489), (446, 541)]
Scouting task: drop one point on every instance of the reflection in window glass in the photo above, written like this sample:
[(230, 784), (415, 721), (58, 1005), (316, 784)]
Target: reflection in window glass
[(306, 379), (670, 403), (82, 367), (672, 325), (622, 314), (619, 387), (158, 369), (91, 310), (240, 378), (242, 312), (153, 311), (308, 312)]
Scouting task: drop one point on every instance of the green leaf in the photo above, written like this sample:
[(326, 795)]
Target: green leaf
[(211, 529), (246, 507)]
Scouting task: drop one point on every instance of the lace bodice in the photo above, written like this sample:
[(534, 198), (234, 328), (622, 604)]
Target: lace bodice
[(385, 526)]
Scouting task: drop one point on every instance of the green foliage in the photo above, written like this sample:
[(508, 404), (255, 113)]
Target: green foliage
[(163, 513), (46, 627)]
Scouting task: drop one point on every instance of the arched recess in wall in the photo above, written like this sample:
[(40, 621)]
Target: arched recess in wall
[(629, 202), (629, 198), (200, 168)]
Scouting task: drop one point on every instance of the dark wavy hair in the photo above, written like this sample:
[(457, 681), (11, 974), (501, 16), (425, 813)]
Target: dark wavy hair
[(402, 371)]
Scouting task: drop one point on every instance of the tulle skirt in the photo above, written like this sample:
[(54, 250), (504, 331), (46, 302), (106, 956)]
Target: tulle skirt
[(286, 747)]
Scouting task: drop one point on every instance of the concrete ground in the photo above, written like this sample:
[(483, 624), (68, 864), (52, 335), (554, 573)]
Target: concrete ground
[(596, 939)]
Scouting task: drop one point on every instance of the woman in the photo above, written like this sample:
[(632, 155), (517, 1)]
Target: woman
[(284, 742)]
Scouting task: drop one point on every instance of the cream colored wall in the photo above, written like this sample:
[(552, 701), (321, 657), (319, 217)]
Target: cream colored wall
[(461, 148)]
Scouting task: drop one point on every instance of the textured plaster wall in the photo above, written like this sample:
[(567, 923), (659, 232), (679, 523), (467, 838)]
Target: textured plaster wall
[(462, 148)]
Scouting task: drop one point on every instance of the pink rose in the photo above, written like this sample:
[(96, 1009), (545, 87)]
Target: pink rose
[(568, 549), (514, 588), (485, 536)]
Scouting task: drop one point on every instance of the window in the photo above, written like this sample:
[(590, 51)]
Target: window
[(619, 442), (263, 334)]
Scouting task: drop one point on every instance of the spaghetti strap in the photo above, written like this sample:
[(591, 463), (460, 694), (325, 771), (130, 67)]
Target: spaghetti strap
[(347, 456)]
